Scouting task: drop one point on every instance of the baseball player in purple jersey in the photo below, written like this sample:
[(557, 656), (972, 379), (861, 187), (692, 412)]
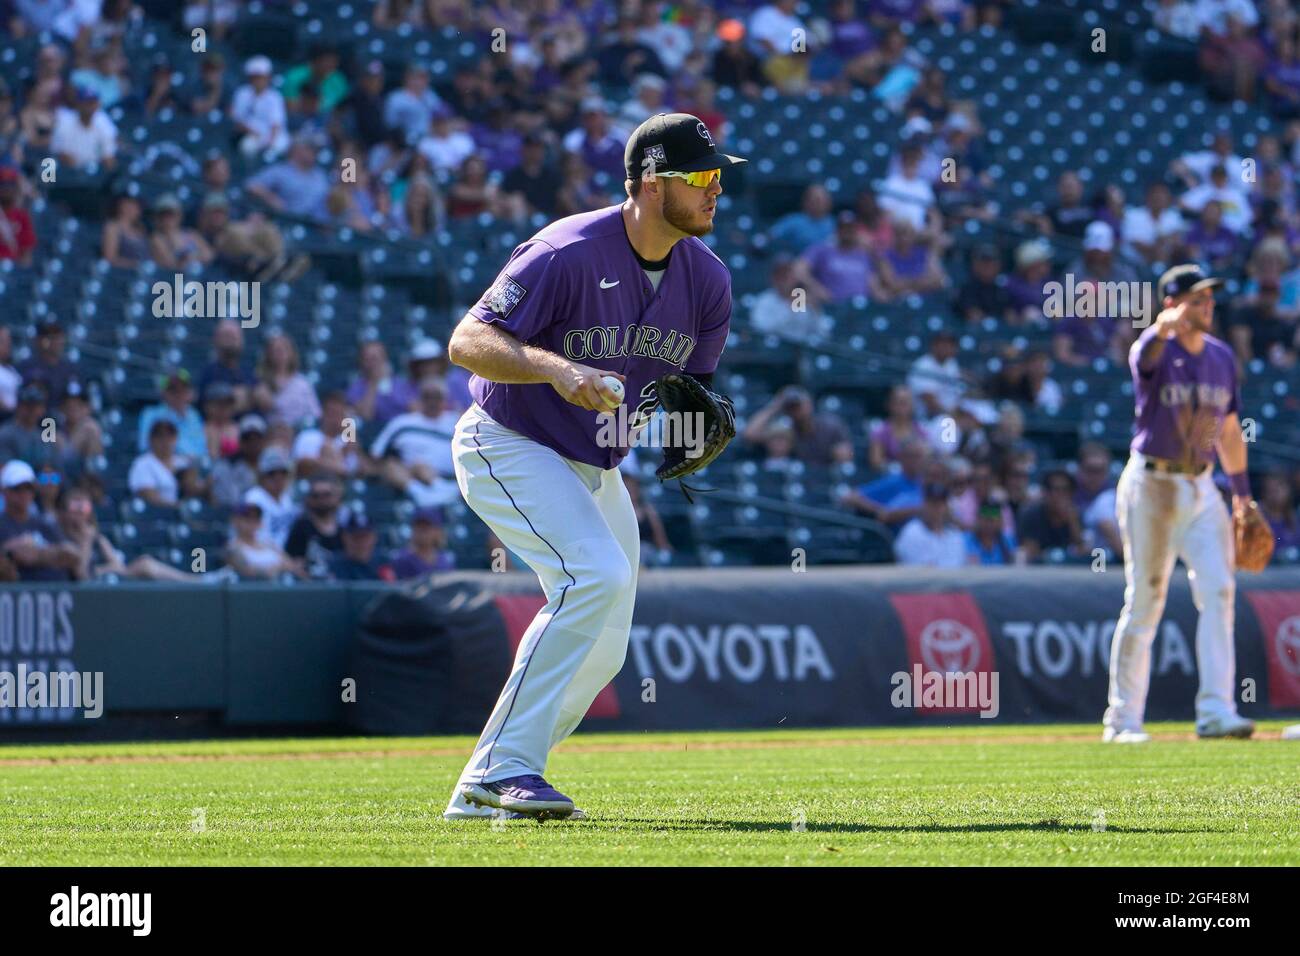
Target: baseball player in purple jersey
[(1185, 384), (629, 291)]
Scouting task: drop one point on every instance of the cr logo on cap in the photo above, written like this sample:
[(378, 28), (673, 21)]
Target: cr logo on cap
[(704, 132)]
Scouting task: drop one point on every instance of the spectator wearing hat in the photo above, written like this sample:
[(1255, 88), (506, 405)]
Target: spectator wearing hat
[(841, 269), (210, 94), (1150, 230), (30, 543), (427, 551), (283, 393), (29, 435), (17, 233), (364, 108), (411, 107), (1027, 285), (252, 247), (234, 475), (321, 71), (220, 430), (273, 493), (988, 543), (84, 437), (174, 247), (315, 536), (936, 378), (226, 365), (250, 554), (295, 185), (414, 449), (177, 405), (161, 476), (331, 448), (358, 561), (931, 540), (812, 225), (124, 243), (1053, 525), (984, 293), (49, 366), (84, 135), (534, 180), (258, 112), (11, 379)]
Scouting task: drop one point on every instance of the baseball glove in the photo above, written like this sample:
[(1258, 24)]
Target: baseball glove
[(679, 392), (1254, 538)]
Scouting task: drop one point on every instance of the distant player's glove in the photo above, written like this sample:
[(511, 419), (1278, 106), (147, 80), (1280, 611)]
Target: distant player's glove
[(1253, 536), (679, 392)]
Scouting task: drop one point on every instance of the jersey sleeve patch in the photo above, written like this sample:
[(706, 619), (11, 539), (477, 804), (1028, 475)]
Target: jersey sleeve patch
[(505, 295)]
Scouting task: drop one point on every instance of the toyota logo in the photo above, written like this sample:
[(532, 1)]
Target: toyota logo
[(951, 647)]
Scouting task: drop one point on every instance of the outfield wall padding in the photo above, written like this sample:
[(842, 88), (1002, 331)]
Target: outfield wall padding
[(725, 648)]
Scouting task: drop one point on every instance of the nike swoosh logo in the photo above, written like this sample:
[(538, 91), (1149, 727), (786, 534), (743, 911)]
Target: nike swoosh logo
[(606, 284)]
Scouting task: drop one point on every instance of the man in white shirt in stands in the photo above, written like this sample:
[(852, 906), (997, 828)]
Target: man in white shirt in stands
[(84, 135), (414, 449), (935, 378), (930, 540), (259, 114), (274, 495), (1150, 230)]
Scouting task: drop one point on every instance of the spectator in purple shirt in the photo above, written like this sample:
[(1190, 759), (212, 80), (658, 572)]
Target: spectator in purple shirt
[(1027, 285), (598, 143), (842, 268), (497, 143), (427, 551), (376, 392), (1209, 241), (909, 265), (1282, 79)]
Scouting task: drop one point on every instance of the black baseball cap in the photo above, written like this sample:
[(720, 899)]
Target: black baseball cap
[(1183, 279), (673, 143)]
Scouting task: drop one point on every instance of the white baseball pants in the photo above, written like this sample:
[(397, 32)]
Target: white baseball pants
[(1164, 517), (575, 526)]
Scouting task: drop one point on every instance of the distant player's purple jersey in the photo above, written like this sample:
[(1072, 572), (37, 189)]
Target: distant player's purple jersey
[(577, 289), (1171, 395)]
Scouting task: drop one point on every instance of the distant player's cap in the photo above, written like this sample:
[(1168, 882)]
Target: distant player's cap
[(161, 425), (258, 66), (16, 473), (1032, 252), (273, 459), (673, 143), (1183, 279)]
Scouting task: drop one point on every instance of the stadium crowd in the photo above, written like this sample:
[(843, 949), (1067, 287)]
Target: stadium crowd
[(534, 134)]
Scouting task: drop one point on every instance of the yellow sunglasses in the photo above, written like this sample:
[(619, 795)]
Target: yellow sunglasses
[(699, 180)]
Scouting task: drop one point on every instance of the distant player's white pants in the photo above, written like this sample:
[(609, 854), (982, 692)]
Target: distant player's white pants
[(1161, 518), (575, 526)]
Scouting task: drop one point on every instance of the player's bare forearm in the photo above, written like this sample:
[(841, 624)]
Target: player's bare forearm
[(1232, 447), (496, 355)]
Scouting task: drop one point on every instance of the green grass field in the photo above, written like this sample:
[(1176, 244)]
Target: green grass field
[(969, 795)]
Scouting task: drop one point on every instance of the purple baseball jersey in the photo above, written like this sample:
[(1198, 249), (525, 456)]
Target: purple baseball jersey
[(577, 289), (1180, 387)]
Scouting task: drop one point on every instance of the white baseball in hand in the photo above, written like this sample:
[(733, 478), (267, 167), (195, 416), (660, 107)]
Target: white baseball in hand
[(615, 386)]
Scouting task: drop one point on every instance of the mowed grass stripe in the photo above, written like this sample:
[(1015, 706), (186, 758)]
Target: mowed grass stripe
[(810, 797)]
